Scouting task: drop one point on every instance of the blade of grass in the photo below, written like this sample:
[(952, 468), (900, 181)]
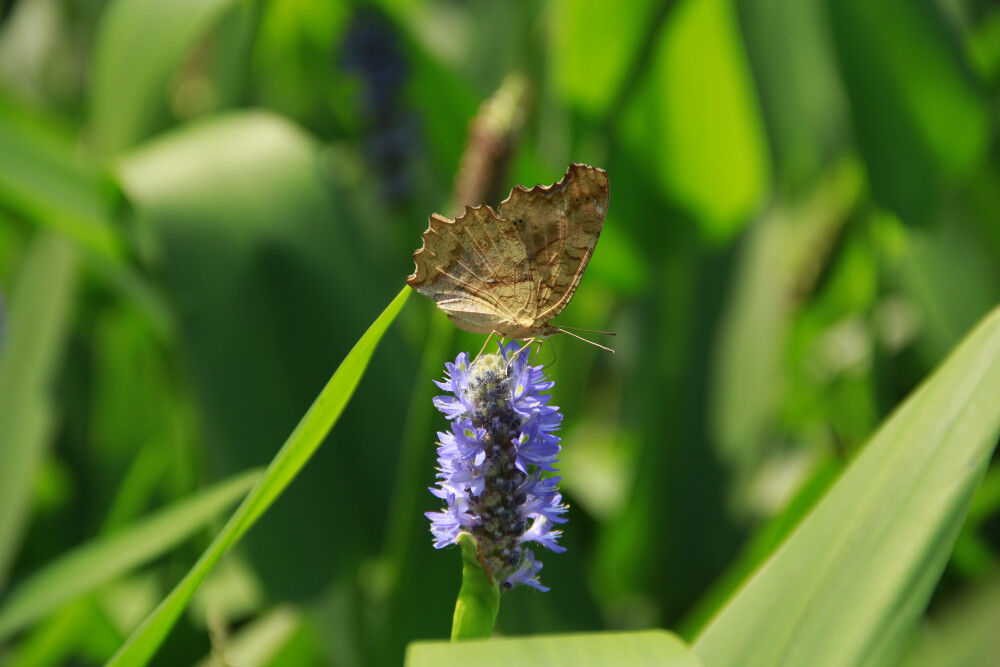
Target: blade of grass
[(36, 326), (96, 563), (294, 454)]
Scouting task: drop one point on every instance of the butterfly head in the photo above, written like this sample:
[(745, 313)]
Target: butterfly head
[(547, 330)]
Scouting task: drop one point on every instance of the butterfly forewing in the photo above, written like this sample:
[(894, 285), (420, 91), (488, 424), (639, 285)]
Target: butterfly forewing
[(513, 270), (559, 226)]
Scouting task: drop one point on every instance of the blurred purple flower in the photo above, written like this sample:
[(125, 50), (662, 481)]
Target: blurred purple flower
[(491, 464), (373, 50)]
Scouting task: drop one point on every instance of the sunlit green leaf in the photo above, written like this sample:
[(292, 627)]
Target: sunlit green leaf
[(849, 585), (696, 122), (589, 74), (654, 648)]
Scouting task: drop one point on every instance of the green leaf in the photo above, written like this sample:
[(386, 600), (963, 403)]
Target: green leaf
[(583, 75), (42, 178), (36, 324), (760, 547), (919, 115), (479, 598), (291, 57), (257, 248), (294, 454), (78, 631), (260, 642), (964, 635), (96, 563), (797, 81), (851, 582), (781, 253), (696, 121), (650, 648), (953, 279), (140, 44)]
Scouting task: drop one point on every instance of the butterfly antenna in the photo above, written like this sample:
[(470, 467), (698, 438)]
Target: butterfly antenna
[(538, 353), (570, 333), (554, 356), (606, 333)]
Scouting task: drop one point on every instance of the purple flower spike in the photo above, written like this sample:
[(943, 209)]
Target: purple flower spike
[(492, 461)]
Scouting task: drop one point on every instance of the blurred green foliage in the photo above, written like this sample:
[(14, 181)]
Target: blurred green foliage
[(205, 203)]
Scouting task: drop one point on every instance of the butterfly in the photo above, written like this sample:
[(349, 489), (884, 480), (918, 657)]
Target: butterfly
[(512, 270)]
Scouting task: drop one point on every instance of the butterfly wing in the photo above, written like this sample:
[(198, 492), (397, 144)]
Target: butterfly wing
[(475, 269), (559, 226)]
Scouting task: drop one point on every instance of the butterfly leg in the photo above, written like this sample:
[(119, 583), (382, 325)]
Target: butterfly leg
[(528, 343), (537, 351), (483, 348)]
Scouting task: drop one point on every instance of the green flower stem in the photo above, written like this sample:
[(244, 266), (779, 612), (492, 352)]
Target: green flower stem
[(479, 599)]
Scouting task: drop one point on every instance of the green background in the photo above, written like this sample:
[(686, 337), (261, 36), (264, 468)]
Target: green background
[(205, 203)]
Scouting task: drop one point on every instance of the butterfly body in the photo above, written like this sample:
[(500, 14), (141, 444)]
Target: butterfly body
[(512, 270)]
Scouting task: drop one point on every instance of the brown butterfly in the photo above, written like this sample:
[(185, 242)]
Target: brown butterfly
[(512, 270)]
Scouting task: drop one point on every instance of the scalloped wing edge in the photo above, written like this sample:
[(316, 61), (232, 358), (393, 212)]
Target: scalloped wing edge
[(423, 254), (423, 257), (573, 171)]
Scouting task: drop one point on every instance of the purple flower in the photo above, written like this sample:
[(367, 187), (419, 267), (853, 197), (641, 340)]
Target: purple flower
[(492, 462)]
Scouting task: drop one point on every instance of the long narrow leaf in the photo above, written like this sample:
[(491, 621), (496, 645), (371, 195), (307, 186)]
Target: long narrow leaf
[(96, 563), (849, 585), (36, 324), (297, 450)]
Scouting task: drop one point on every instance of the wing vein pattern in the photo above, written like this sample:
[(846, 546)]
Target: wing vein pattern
[(514, 269)]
